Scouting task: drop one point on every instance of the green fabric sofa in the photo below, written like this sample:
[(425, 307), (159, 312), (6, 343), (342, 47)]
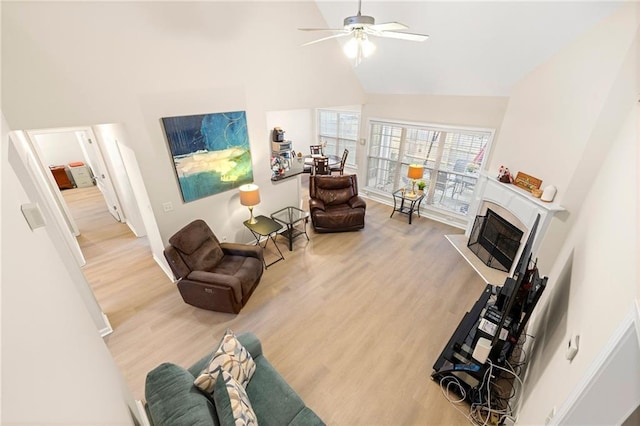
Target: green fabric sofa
[(173, 400)]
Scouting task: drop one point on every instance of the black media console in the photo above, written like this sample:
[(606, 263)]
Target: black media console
[(489, 332)]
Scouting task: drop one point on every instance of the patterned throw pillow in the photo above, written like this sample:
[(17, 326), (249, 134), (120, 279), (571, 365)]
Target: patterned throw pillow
[(231, 357), (232, 403)]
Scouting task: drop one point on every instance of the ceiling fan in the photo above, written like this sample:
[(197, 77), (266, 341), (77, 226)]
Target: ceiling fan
[(360, 27)]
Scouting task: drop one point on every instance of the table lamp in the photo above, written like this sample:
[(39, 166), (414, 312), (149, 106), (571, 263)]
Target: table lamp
[(250, 196), (415, 172)]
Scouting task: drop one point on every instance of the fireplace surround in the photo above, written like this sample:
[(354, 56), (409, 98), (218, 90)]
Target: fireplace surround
[(515, 205)]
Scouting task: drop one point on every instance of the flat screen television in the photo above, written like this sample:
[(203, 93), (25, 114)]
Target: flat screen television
[(513, 283)]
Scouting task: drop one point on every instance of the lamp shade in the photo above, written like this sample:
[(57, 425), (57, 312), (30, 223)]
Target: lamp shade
[(249, 195), (416, 171)]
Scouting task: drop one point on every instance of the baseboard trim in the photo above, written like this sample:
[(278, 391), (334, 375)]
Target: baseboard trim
[(142, 414), (107, 329), (133, 229), (432, 213), (164, 268)]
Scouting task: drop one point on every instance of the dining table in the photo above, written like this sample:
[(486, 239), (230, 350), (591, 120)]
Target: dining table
[(304, 164), (334, 161)]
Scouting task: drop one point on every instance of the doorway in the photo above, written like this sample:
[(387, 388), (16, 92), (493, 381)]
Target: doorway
[(114, 166), (76, 152)]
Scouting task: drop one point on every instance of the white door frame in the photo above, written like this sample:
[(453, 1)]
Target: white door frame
[(52, 185), (139, 193), (96, 158), (48, 191), (26, 166)]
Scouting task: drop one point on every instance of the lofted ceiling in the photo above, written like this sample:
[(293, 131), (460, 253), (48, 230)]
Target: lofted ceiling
[(476, 48)]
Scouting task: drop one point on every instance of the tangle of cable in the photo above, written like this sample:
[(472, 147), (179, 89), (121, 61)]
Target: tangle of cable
[(489, 404)]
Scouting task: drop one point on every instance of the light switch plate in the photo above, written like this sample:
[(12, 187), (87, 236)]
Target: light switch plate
[(33, 215), (573, 346)]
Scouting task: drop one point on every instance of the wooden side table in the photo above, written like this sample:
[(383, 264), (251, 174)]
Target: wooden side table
[(265, 227)]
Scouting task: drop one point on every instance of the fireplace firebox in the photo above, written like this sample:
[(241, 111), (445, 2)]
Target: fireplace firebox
[(494, 240)]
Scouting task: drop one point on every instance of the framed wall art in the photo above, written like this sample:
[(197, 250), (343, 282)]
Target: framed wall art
[(211, 152)]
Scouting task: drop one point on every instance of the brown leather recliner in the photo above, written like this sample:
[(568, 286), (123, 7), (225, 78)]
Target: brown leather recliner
[(334, 203), (213, 275)]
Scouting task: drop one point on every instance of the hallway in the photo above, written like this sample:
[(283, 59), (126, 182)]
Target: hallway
[(115, 257)]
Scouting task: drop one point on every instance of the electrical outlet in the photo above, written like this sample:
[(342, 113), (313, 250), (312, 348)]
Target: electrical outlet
[(167, 207)]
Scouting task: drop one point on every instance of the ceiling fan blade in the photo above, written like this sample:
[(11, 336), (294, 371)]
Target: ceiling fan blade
[(320, 29), (327, 38), (403, 36), (388, 26)]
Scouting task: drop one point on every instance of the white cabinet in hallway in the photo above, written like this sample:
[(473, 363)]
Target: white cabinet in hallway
[(81, 176)]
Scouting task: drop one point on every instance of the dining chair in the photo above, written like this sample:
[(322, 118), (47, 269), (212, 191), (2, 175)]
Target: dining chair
[(340, 167), (321, 166), (316, 149)]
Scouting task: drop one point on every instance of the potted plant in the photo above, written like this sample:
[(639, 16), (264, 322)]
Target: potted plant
[(421, 186)]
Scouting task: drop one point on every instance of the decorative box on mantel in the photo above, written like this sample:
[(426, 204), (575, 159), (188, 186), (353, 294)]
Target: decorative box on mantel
[(514, 204)]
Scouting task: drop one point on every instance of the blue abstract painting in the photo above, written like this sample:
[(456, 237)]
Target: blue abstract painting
[(211, 152)]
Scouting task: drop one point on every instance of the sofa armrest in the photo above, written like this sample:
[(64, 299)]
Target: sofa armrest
[(247, 250), (356, 202), (173, 399), (316, 204), (218, 280), (252, 343)]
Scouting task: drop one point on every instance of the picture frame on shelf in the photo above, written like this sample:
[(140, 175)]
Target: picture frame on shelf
[(527, 182)]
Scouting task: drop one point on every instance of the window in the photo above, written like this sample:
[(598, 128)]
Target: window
[(338, 130), (452, 158)]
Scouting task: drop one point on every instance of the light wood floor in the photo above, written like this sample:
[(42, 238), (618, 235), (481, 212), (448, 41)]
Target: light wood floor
[(353, 321)]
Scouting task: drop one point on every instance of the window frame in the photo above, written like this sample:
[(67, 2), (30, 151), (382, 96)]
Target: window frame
[(401, 164), (340, 142)]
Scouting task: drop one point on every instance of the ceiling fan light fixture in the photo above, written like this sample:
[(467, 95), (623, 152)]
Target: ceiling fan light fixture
[(367, 47), (351, 48), (358, 47), (358, 28)]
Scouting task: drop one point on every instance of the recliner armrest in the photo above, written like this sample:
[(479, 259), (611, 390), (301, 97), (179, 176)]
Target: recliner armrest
[(357, 201), (316, 203), (237, 249)]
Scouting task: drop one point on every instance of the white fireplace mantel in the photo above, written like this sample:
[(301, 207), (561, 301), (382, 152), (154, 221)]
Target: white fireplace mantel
[(517, 202)]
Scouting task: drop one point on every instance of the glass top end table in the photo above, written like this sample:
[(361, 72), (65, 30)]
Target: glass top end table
[(406, 203), (290, 216)]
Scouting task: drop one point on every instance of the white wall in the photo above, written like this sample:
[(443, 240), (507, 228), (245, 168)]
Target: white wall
[(560, 118), (579, 114), (55, 367), (298, 125), (136, 62), (108, 137), (59, 148), (469, 111), (592, 286)]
